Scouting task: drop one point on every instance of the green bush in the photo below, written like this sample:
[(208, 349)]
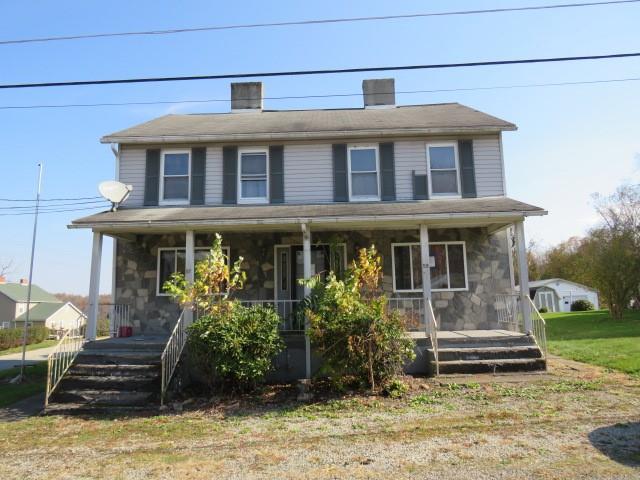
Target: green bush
[(543, 310), (396, 388), (12, 337), (351, 328), (236, 347), (582, 306)]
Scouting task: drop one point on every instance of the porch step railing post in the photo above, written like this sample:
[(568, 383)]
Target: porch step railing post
[(306, 251)]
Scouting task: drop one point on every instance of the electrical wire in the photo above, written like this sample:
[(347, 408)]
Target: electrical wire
[(55, 205), (48, 211), (174, 31), (48, 199), (291, 73), (330, 95)]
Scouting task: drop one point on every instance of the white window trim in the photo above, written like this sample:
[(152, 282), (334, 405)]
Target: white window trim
[(248, 200), (226, 250), (363, 198), (457, 160), (174, 201), (417, 244)]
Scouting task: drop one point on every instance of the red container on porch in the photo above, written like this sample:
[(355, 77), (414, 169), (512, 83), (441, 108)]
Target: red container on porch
[(125, 332)]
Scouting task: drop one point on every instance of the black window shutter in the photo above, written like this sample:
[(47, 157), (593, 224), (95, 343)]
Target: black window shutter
[(387, 170), (198, 168), (340, 186), (152, 177), (276, 174), (467, 169), (420, 187), (229, 175)]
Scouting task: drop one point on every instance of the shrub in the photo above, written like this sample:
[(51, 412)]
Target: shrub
[(581, 306), (230, 344), (235, 347), (396, 388), (543, 310), (12, 337), (351, 328)]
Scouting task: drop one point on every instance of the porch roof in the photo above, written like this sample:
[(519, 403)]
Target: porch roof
[(453, 212)]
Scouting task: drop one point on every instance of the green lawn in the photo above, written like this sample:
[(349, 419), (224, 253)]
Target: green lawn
[(594, 337), (35, 383), (33, 346)]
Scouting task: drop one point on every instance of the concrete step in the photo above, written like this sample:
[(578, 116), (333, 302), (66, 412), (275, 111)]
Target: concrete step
[(521, 341), (124, 370), (148, 345), (93, 409), (130, 383), (492, 365), (485, 353), (98, 397), (118, 357)]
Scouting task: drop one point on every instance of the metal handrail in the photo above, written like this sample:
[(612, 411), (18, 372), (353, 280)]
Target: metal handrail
[(433, 334), (539, 327), (172, 353), (62, 358), (509, 311)]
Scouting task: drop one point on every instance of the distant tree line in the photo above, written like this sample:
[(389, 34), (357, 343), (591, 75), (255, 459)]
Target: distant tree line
[(607, 258)]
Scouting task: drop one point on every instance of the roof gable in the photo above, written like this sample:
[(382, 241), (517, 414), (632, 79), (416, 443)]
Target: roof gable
[(18, 293), (41, 312), (304, 124)]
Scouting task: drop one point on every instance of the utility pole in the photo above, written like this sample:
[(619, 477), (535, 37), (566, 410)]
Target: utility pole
[(33, 250)]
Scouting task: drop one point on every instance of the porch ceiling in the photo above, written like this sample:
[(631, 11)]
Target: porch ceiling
[(492, 212)]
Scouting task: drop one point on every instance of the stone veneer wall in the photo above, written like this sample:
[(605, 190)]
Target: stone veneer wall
[(487, 267)]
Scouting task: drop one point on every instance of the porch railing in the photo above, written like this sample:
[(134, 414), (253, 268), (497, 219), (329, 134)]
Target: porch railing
[(433, 335), (118, 315), (172, 353), (411, 310), (509, 310), (62, 358)]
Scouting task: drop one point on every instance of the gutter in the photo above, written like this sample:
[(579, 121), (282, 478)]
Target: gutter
[(299, 220), (315, 135)]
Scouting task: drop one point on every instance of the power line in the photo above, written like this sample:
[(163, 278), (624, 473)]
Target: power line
[(48, 199), (329, 95), (48, 211), (291, 73), (310, 22), (55, 205)]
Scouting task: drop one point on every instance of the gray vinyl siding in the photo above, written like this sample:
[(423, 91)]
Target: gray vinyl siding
[(131, 172), (488, 166), (308, 173), (410, 156)]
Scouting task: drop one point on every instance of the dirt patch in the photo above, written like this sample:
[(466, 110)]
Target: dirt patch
[(574, 421)]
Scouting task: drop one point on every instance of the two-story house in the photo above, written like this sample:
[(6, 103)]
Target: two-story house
[(424, 183)]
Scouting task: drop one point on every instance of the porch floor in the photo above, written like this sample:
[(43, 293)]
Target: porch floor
[(470, 334), (125, 342)]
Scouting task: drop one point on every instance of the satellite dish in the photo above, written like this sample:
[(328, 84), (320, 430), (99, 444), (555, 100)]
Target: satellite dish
[(115, 192)]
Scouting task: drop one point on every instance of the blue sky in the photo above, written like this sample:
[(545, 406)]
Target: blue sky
[(572, 141)]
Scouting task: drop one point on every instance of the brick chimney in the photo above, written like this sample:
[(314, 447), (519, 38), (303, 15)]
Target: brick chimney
[(3, 279), (246, 97), (24, 281), (379, 93)]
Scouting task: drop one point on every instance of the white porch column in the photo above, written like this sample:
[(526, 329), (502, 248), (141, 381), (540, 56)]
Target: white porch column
[(426, 274), (189, 274), (94, 287), (523, 269), (306, 252)]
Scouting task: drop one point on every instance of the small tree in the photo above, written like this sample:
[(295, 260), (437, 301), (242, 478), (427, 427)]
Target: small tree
[(351, 327), (230, 343)]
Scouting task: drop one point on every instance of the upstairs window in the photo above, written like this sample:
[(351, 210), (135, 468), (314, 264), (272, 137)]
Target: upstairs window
[(364, 183), (253, 177), (442, 164), (448, 273), (175, 168)]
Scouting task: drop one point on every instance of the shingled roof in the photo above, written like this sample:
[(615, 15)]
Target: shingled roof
[(445, 118)]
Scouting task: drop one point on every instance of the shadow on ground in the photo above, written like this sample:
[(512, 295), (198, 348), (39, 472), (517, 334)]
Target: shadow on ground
[(620, 442)]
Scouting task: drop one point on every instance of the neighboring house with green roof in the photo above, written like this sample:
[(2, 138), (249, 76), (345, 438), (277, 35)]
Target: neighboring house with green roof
[(45, 309)]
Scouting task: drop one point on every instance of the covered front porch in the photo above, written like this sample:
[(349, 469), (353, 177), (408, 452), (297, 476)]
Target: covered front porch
[(465, 283)]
